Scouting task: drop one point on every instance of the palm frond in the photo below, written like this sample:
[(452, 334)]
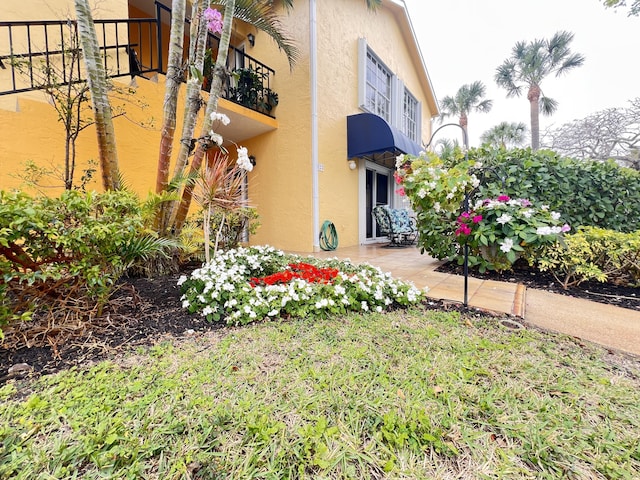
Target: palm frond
[(262, 15), (548, 106)]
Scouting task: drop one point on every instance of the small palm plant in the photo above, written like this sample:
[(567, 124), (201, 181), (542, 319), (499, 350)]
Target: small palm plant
[(219, 187)]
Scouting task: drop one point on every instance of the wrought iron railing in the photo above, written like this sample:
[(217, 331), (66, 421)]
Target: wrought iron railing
[(32, 53)]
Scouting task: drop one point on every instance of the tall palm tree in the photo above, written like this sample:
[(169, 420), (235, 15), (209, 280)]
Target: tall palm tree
[(506, 134), (97, 81), (468, 98), (527, 67)]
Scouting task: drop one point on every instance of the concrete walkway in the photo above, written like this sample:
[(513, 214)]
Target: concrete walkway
[(613, 327)]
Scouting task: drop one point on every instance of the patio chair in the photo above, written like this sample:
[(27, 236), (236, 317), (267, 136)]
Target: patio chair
[(396, 224)]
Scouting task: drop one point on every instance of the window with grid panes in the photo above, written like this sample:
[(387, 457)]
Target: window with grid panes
[(410, 116), (378, 91)]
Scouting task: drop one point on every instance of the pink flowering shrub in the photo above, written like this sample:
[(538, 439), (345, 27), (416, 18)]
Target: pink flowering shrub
[(501, 230)]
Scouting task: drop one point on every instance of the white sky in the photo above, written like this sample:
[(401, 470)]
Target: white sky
[(466, 40)]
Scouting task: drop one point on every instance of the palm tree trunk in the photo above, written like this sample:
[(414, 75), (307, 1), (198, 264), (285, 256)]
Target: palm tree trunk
[(97, 81), (219, 73), (464, 121), (172, 88), (534, 102), (193, 100)]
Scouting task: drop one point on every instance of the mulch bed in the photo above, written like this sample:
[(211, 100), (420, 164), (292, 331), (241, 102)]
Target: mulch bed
[(145, 311), (608, 293)]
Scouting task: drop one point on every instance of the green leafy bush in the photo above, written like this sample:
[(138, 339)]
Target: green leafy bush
[(66, 250), (436, 191), (588, 193), (502, 230), (497, 231), (594, 254)]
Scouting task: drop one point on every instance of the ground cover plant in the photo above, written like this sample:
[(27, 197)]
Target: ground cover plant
[(244, 285), (409, 394)]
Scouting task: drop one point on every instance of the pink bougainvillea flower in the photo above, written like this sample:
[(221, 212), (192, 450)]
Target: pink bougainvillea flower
[(477, 219), (565, 228), (504, 198), (214, 20), (465, 214), (400, 191), (398, 178)]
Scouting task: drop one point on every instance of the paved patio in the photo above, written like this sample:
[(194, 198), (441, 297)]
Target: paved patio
[(408, 264)]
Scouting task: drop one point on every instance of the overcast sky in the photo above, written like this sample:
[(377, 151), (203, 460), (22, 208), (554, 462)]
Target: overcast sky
[(466, 40)]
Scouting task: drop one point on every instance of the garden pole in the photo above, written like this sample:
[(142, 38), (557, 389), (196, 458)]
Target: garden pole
[(465, 205)]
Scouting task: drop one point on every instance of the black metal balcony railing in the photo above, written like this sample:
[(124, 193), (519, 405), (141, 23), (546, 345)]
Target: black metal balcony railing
[(33, 53)]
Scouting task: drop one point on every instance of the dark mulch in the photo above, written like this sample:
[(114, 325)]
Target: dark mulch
[(145, 311)]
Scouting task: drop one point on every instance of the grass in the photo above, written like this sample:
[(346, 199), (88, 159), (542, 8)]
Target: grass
[(414, 394)]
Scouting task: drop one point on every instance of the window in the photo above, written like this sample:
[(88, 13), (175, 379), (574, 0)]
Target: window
[(410, 116), (381, 92), (378, 91)]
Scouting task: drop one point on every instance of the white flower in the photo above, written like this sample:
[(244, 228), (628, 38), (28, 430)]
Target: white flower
[(543, 230), (504, 218), (399, 161), (243, 159), (185, 304), (436, 207), (216, 138), (506, 245), (422, 193), (182, 279), (527, 213), (215, 116), (449, 195), (365, 306), (555, 215), (544, 207)]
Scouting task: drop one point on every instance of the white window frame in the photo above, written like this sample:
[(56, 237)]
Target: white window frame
[(411, 125), (396, 115)]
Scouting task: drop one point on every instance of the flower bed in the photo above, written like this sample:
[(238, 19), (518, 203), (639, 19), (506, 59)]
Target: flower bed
[(244, 285)]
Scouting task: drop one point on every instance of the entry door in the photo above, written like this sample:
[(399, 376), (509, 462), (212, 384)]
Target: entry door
[(378, 188)]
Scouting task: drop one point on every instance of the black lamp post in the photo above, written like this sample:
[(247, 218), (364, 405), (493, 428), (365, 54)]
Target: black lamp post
[(465, 205)]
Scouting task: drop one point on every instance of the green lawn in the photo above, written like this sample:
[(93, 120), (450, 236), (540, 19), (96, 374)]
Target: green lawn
[(413, 394)]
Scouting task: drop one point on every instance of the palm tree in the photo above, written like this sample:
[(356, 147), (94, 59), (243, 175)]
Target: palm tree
[(528, 65), (260, 14), (468, 98), (505, 134), (97, 81)]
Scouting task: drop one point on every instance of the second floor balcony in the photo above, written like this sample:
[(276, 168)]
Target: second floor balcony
[(34, 54)]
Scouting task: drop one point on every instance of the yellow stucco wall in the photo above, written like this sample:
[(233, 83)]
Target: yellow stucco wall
[(285, 191), (58, 9), (280, 186), (34, 133)]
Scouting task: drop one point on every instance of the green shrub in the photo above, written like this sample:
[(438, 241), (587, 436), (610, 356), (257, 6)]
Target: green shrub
[(588, 193), (497, 231), (594, 254), (436, 191), (66, 250)]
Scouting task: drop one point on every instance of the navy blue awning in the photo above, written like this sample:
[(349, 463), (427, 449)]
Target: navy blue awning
[(370, 136)]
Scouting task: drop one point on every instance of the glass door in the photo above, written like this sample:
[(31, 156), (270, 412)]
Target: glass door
[(377, 192)]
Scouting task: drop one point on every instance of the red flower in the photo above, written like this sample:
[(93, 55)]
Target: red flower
[(305, 271)]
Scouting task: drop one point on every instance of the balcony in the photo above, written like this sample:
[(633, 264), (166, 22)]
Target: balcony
[(34, 54)]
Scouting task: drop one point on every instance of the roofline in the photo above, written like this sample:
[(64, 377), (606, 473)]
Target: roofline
[(401, 5)]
